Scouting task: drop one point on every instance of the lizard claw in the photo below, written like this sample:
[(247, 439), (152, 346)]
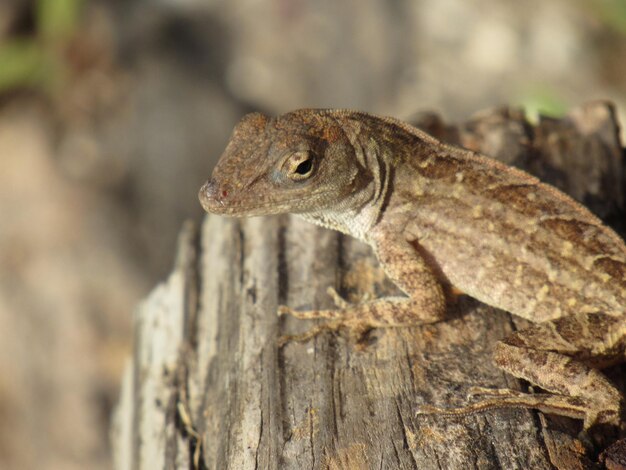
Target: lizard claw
[(339, 301), (284, 310)]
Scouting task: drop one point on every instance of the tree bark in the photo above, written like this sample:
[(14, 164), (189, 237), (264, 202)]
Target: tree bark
[(208, 386)]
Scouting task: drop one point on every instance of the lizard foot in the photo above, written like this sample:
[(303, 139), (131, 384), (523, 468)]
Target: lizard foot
[(307, 335), (461, 410), (573, 407), (339, 301)]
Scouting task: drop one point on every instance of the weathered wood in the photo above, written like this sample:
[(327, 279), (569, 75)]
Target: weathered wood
[(207, 379)]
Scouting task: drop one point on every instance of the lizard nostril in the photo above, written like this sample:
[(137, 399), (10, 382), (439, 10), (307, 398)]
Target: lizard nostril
[(212, 195)]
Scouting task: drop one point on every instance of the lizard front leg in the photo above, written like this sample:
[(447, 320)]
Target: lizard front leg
[(426, 302), (559, 356)]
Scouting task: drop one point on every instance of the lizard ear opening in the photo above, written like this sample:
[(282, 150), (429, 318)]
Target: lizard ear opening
[(299, 166)]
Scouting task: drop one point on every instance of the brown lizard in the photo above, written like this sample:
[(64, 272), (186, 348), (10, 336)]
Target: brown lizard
[(441, 217)]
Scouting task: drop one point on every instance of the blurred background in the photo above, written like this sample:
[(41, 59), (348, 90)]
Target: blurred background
[(112, 113)]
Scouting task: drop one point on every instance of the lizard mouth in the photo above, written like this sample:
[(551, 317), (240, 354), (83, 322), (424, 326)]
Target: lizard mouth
[(215, 201), (220, 200)]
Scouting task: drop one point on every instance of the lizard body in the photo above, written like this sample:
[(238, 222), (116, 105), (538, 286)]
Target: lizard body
[(438, 217)]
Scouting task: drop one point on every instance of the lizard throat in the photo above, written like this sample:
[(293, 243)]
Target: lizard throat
[(356, 216)]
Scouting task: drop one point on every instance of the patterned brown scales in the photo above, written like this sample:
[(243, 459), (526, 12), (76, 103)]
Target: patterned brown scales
[(440, 217)]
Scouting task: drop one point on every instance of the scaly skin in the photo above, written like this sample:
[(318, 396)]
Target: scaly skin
[(440, 217)]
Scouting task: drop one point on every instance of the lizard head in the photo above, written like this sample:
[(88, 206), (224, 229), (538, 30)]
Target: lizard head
[(298, 163)]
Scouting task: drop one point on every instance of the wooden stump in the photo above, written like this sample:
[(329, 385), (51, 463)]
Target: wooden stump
[(208, 383)]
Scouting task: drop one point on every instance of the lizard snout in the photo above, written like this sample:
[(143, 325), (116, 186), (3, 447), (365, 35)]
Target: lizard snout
[(211, 196)]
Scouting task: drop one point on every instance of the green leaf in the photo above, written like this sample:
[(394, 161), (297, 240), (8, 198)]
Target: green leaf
[(20, 64), (57, 18)]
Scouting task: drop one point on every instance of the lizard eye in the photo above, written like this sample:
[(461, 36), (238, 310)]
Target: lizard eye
[(299, 166)]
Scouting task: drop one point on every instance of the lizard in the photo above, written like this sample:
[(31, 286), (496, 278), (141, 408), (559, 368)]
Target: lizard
[(440, 217)]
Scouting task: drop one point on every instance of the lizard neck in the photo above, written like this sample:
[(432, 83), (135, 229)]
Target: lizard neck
[(362, 207)]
